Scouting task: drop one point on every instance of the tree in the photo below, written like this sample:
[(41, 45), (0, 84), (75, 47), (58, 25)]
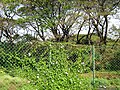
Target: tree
[(115, 32), (7, 24), (55, 16), (97, 12), (60, 16)]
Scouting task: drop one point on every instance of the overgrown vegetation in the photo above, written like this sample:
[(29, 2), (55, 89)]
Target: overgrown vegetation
[(27, 26), (49, 65)]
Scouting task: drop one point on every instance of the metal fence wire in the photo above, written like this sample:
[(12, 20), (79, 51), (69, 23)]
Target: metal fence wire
[(109, 59), (107, 67), (93, 62), (49, 52)]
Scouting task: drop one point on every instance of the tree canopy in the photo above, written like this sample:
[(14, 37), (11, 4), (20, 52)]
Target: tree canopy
[(57, 19)]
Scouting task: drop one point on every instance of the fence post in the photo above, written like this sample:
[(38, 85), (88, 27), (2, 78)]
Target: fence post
[(50, 56), (93, 63)]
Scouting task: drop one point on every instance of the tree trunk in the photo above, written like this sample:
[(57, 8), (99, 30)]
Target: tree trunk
[(55, 33), (1, 32), (106, 30), (88, 34), (65, 35), (78, 40)]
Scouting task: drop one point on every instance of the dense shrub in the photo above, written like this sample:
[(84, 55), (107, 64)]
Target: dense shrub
[(48, 66)]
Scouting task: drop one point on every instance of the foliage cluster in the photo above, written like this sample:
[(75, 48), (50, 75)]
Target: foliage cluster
[(46, 65), (55, 65)]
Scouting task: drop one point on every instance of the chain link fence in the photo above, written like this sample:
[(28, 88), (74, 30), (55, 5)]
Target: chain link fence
[(50, 52), (107, 67), (100, 64), (107, 58)]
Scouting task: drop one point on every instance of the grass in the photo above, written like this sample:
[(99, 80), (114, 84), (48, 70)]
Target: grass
[(8, 82), (106, 79)]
